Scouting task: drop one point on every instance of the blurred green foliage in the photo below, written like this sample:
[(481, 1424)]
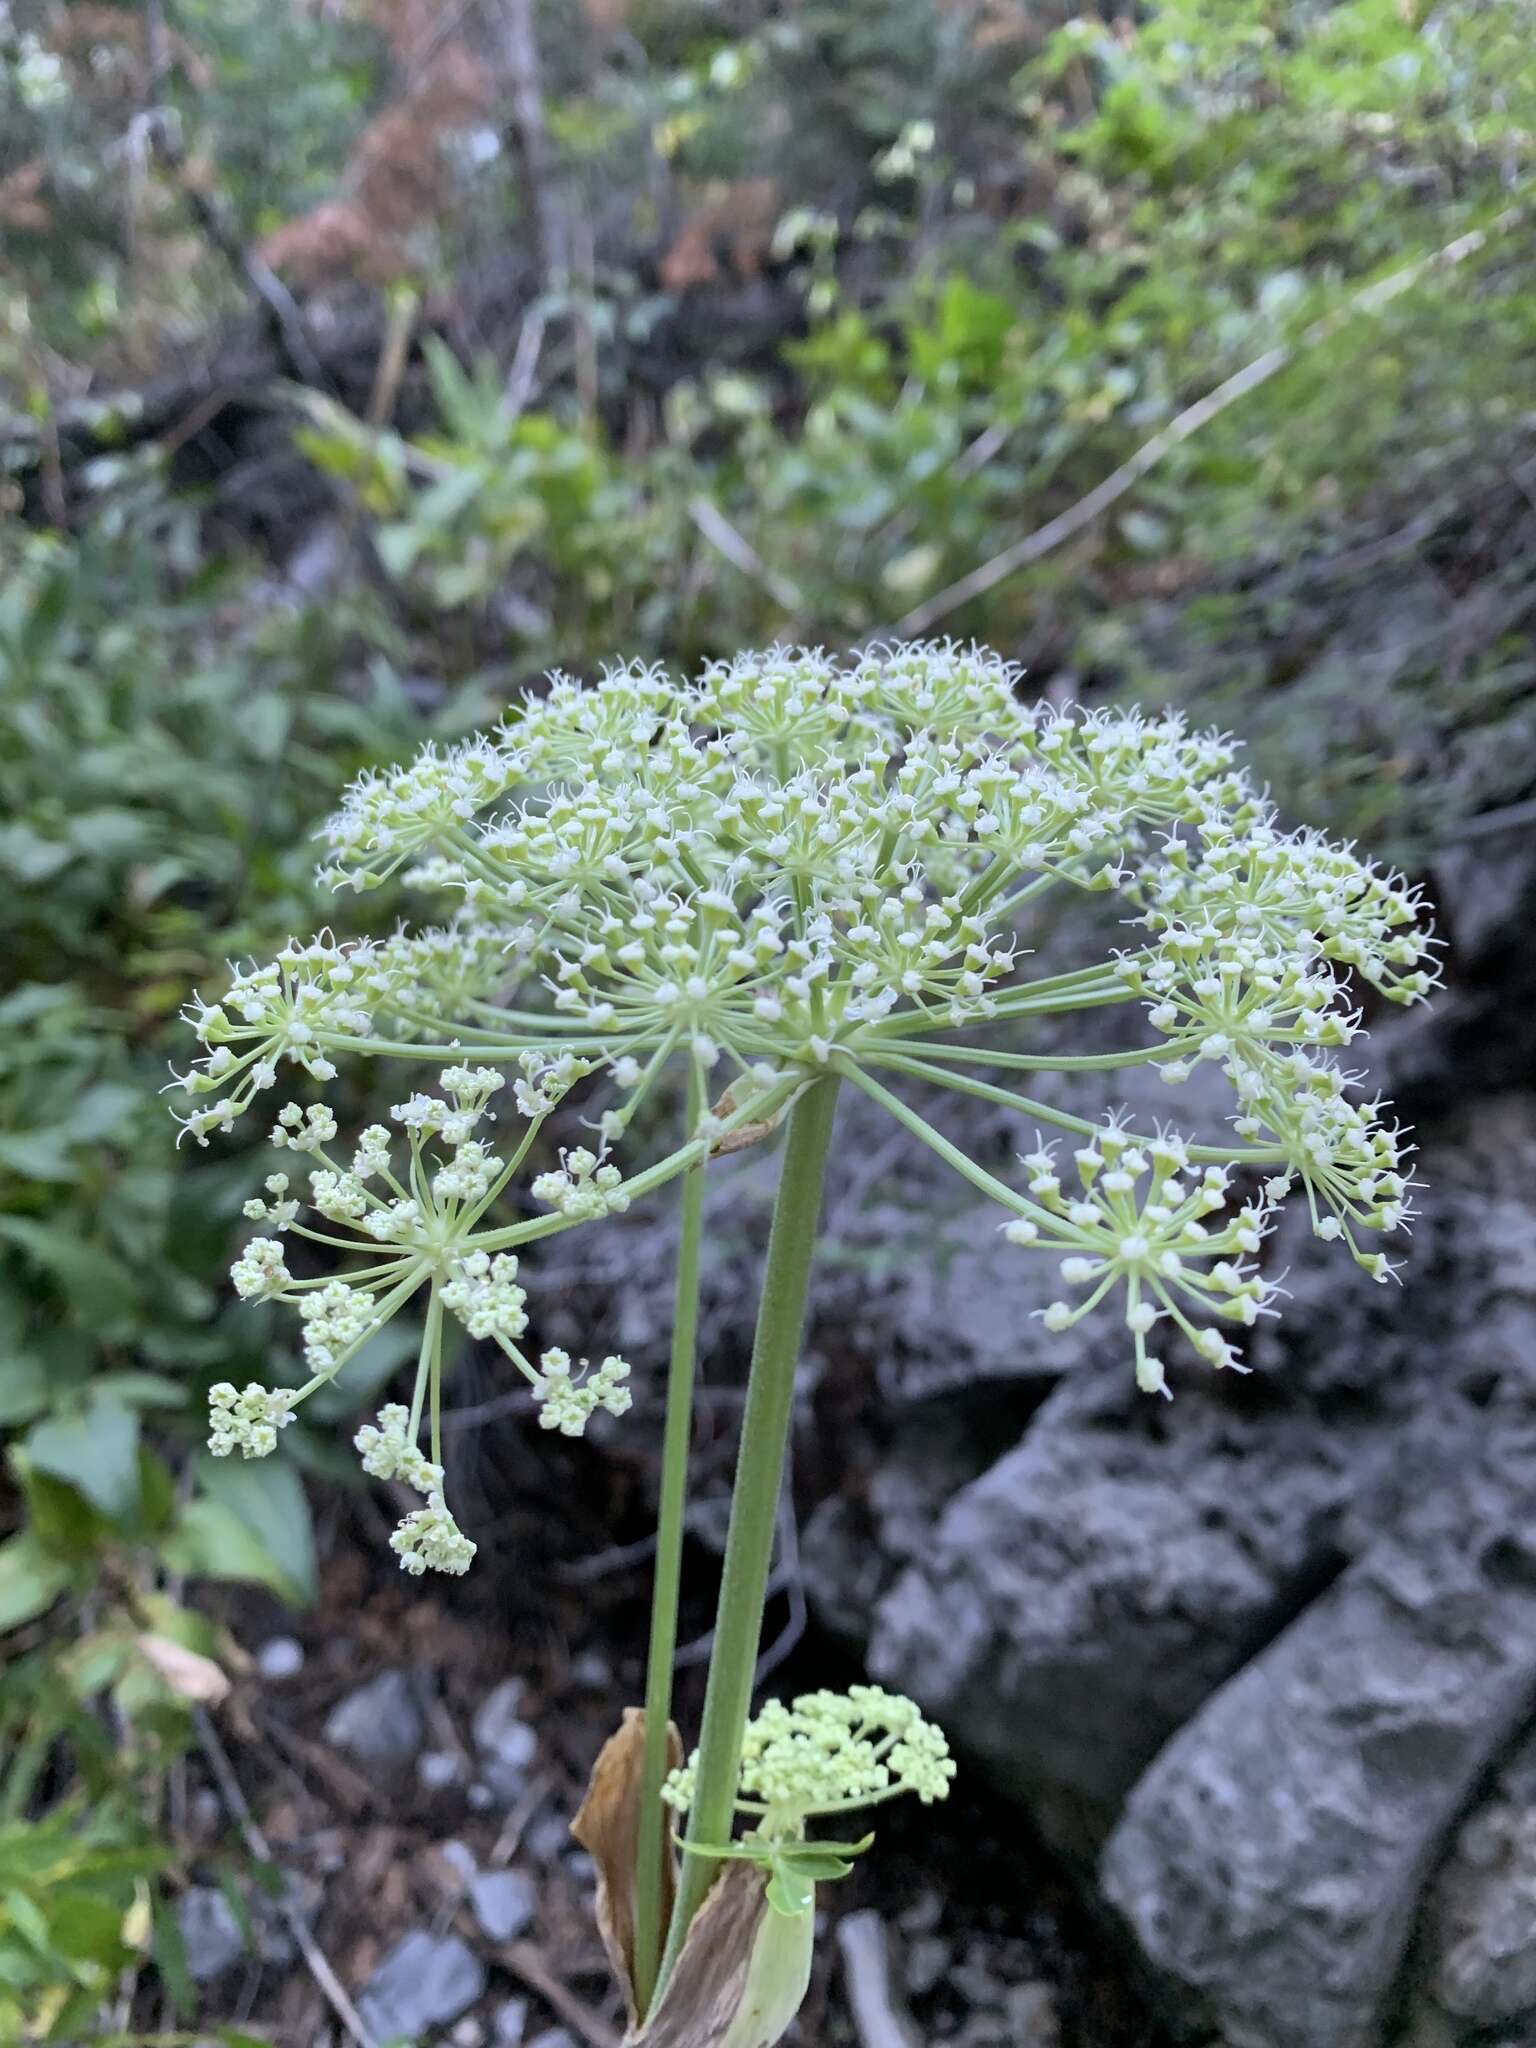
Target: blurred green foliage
[(166, 742)]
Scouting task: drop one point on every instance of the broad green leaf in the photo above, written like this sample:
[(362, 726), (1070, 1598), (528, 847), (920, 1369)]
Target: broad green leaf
[(96, 1449), (99, 1288), (31, 1579), (267, 1495)]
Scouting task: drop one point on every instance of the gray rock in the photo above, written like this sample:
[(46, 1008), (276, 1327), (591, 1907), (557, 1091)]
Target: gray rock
[(511, 2022), (505, 1743), (437, 1769), (1476, 1940), (1273, 1857), (280, 1657), (554, 2037), (591, 1669), (1267, 1641), (503, 1902), (210, 1932), (1032, 2015), (381, 1722), (460, 1859), (924, 1963), (422, 1982), (1079, 1601)]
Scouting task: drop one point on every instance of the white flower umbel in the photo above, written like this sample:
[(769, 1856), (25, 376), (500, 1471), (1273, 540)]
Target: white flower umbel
[(803, 866), (791, 873)]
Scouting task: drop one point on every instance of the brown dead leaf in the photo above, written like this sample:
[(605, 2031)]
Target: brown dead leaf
[(188, 1673), (22, 205), (744, 1134), (736, 221), (608, 1828), (742, 1975)]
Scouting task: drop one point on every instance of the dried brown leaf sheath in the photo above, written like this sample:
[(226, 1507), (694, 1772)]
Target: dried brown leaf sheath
[(742, 1975), (608, 1828)]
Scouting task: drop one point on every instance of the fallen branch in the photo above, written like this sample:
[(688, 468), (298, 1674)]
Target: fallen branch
[(1370, 299)]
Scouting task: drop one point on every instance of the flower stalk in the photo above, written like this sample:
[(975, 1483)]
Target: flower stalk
[(755, 1498), (672, 1508)]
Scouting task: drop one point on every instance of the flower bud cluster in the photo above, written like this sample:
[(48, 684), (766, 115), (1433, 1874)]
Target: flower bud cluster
[(428, 1538), (567, 1400), (483, 1293), (582, 1187), (829, 1753), (247, 1420)]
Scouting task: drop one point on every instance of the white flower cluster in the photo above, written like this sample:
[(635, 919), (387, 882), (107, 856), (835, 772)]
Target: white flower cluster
[(428, 1538), (1142, 1221), (830, 1753), (582, 1187), (795, 864), (568, 1400), (247, 1419), (483, 1293)]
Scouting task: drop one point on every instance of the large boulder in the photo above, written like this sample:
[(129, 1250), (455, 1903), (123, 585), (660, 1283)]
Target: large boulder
[(1265, 1643)]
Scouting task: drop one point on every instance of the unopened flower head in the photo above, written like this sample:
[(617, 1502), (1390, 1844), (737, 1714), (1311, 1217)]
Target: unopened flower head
[(830, 1753)]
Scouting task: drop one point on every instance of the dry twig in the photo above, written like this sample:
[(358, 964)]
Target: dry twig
[(878, 2017), (1370, 299), (526, 1962)]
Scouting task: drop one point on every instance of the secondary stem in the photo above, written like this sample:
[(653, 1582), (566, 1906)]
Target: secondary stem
[(669, 1558), (755, 1499)]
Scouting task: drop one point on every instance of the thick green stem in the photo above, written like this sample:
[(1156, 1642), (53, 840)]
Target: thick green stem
[(669, 1562), (755, 1499)]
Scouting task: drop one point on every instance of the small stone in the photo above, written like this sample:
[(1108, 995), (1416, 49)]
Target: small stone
[(503, 1902), (923, 1915), (468, 2033), (459, 1858), (437, 1769), (592, 1671), (927, 1960), (422, 1982), (510, 2022), (280, 1657), (480, 1797), (506, 1743), (210, 1933), (1032, 2017), (554, 2037), (549, 1838), (380, 1723)]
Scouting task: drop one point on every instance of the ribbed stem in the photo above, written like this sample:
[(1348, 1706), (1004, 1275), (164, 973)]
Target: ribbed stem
[(672, 1514), (755, 1498)]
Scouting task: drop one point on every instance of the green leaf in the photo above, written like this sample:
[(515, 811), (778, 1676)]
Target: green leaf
[(397, 546), (96, 1449), (210, 1541), (60, 1517), (267, 1496), (25, 1389), (99, 1288), (30, 1579), (142, 1389)]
